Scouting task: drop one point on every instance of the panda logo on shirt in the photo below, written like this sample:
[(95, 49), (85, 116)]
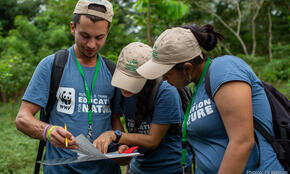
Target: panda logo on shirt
[(66, 100)]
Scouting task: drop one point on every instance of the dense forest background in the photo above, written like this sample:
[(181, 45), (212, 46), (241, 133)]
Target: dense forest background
[(255, 30)]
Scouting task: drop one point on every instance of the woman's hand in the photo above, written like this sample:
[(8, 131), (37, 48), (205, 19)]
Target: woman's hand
[(122, 148), (124, 160), (104, 140)]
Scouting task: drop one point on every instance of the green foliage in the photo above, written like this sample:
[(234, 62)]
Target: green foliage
[(18, 151), (29, 34), (167, 9), (10, 9), (276, 72)]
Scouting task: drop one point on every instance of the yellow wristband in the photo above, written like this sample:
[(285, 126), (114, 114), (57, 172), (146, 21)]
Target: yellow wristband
[(49, 131)]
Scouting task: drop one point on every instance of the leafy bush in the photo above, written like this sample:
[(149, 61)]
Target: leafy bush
[(276, 72)]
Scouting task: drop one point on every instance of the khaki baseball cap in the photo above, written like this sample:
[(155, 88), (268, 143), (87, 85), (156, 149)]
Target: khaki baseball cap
[(82, 7), (131, 57), (173, 46)]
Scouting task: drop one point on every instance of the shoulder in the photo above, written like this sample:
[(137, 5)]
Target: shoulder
[(45, 64), (165, 89), (228, 61), (229, 68), (48, 60), (167, 94), (167, 107), (108, 64), (229, 65)]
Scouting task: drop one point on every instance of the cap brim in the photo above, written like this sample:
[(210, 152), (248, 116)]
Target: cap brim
[(128, 83), (153, 70)]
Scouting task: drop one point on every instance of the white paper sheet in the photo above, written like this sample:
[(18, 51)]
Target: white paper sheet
[(86, 152)]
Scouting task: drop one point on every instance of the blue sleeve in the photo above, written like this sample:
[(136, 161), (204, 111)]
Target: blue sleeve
[(167, 106), (37, 91), (117, 102), (228, 68)]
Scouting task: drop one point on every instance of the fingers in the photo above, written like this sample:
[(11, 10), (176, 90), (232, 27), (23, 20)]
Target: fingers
[(57, 138), (105, 147), (103, 141), (122, 148)]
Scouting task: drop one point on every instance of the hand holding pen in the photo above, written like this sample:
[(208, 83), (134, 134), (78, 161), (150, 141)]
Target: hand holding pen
[(60, 137)]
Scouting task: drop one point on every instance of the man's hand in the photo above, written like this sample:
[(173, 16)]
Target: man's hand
[(57, 138)]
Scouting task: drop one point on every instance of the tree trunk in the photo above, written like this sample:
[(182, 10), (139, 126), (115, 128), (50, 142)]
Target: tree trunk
[(270, 34), (149, 38), (258, 7)]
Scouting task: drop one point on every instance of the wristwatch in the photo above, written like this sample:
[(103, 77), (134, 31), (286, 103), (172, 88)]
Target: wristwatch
[(118, 134)]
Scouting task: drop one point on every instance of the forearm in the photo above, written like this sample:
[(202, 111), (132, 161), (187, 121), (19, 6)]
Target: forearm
[(30, 126), (143, 140), (116, 123), (27, 123), (236, 157)]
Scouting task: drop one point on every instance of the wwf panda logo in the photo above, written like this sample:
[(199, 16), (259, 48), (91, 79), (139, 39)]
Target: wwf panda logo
[(65, 97), (66, 100)]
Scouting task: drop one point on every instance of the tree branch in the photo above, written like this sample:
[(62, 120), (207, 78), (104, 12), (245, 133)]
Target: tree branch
[(258, 7), (240, 18), (150, 41), (225, 24), (270, 34)]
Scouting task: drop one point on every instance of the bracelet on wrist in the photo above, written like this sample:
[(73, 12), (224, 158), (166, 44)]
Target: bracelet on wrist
[(49, 132), (45, 131)]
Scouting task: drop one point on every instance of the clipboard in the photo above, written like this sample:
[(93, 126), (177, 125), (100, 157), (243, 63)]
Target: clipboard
[(87, 152)]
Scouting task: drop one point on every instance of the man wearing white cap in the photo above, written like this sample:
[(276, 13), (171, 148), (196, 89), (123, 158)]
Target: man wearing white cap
[(218, 125), (157, 131), (83, 97)]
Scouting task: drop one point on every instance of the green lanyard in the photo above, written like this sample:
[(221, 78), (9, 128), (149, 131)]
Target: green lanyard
[(183, 162), (88, 92)]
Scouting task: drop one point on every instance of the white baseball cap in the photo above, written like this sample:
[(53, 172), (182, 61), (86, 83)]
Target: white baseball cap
[(173, 46), (82, 7), (131, 57)]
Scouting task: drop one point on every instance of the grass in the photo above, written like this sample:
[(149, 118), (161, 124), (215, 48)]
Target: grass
[(18, 151)]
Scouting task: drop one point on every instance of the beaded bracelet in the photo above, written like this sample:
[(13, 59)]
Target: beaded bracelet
[(49, 132), (44, 132)]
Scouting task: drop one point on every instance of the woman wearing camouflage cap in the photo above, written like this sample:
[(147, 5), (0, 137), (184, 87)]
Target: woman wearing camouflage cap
[(219, 126)]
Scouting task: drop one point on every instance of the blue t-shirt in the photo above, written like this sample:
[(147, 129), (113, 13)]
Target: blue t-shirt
[(71, 107), (206, 131), (166, 158)]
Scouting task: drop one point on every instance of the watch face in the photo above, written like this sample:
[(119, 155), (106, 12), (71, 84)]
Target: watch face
[(118, 132)]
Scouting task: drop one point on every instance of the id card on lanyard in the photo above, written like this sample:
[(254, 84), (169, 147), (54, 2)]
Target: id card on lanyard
[(88, 92)]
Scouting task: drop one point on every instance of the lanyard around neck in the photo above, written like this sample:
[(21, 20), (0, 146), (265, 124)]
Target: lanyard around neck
[(196, 88), (88, 92)]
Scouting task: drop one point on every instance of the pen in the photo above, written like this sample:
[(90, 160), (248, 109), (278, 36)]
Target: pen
[(66, 144)]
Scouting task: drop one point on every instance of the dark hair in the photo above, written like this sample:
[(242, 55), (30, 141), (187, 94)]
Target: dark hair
[(206, 36), (99, 8), (142, 106), (207, 39)]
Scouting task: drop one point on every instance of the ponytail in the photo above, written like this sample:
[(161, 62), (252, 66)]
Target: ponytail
[(205, 35)]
